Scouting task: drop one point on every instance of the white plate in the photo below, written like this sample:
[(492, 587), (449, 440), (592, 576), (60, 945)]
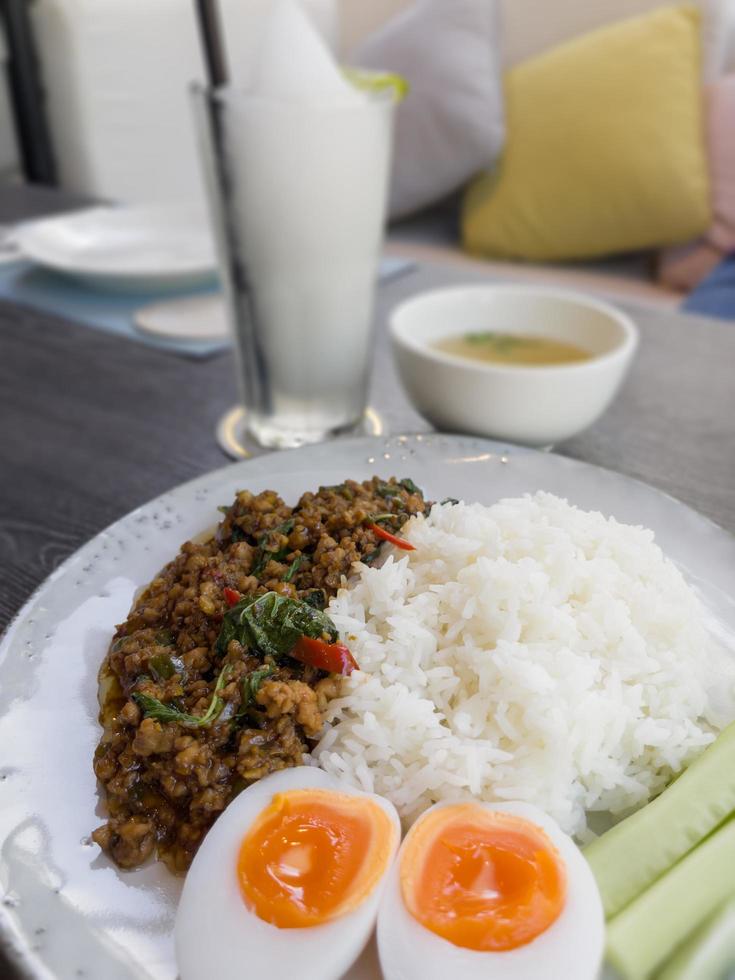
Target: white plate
[(125, 248), (67, 911)]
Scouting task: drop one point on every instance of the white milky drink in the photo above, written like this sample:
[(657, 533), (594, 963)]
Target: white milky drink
[(309, 209), (305, 160)]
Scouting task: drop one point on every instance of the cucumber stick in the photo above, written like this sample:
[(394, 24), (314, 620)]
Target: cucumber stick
[(709, 952), (630, 856), (646, 932)]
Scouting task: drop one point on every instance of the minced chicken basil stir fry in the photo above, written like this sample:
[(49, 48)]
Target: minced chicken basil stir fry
[(223, 669)]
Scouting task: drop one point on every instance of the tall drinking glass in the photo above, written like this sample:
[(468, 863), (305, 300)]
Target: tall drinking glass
[(298, 198)]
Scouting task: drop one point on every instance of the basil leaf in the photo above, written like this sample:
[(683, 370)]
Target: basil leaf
[(258, 676), (249, 687), (165, 713), (265, 554), (387, 490), (394, 489), (163, 667), (409, 485), (340, 488), (228, 632), (271, 624), (295, 565), (168, 714)]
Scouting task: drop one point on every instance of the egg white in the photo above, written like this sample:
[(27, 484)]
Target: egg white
[(217, 935), (570, 949)]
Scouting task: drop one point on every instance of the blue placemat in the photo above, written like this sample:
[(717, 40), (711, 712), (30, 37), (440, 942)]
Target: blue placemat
[(28, 285)]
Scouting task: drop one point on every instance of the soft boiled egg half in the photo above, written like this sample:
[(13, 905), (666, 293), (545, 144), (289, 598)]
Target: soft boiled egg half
[(287, 882), (486, 890)]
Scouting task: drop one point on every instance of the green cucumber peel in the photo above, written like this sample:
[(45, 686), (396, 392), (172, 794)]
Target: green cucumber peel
[(709, 952), (632, 855), (648, 930)]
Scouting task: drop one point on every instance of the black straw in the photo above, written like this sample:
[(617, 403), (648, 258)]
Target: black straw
[(211, 38)]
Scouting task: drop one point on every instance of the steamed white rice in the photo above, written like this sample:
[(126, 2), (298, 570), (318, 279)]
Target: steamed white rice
[(526, 651)]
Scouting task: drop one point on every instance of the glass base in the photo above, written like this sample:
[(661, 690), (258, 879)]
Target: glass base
[(237, 441)]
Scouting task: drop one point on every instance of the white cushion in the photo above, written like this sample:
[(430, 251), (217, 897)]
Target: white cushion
[(451, 123), (533, 26)]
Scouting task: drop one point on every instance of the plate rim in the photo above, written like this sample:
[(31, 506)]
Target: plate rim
[(15, 945)]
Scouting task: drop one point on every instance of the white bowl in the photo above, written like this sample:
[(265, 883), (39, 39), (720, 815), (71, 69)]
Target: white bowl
[(535, 405)]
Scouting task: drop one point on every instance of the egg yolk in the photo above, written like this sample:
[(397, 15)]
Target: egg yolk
[(482, 879), (313, 855)]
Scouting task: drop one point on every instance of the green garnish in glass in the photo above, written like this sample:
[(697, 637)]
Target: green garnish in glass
[(377, 82)]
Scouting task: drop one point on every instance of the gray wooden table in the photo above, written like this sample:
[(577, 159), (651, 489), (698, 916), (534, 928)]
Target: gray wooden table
[(92, 425)]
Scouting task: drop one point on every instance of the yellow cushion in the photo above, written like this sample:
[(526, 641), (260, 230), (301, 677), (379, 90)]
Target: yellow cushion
[(605, 149)]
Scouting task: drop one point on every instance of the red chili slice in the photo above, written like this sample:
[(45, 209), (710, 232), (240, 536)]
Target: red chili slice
[(387, 536), (334, 657), (231, 596)]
